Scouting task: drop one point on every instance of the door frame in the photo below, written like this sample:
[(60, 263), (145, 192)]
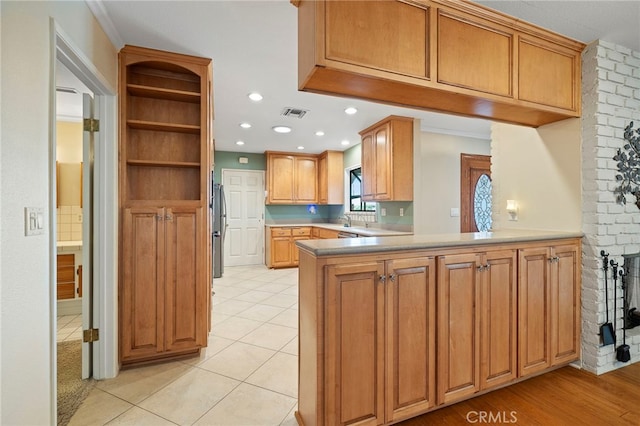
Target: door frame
[(105, 246), (470, 162)]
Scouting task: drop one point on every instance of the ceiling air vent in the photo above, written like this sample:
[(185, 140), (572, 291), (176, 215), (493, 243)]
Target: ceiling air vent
[(294, 112)]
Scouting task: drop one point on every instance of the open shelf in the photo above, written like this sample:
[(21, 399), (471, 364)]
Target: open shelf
[(162, 93), (153, 163), (166, 127)]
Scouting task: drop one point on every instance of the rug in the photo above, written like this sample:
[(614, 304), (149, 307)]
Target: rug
[(72, 390)]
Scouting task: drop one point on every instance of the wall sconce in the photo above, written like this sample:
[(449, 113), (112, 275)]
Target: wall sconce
[(512, 209)]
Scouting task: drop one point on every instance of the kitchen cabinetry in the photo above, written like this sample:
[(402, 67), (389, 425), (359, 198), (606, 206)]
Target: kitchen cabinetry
[(66, 272), (380, 356), (330, 178), (387, 333), (291, 178), (548, 307), (165, 309), (282, 249), (322, 233), (164, 164), (476, 322), (387, 160), (443, 55)]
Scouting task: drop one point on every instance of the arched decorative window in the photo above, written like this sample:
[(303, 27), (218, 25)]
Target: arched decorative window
[(482, 203)]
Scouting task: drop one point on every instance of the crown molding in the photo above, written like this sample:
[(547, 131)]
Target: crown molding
[(103, 18)]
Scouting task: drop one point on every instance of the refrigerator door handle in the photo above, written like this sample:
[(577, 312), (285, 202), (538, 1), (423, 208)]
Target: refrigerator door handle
[(224, 224)]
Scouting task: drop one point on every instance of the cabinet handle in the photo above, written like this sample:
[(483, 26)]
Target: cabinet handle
[(168, 217), (554, 259), (487, 267), (481, 268), (392, 277), (159, 217), (383, 278)]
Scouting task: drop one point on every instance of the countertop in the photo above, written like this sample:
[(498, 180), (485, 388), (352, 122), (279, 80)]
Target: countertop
[(430, 241), (360, 230)]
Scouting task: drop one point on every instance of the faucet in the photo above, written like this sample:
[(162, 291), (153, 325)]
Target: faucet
[(348, 220)]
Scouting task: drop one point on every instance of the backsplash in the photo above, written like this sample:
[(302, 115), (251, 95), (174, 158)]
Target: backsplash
[(69, 223)]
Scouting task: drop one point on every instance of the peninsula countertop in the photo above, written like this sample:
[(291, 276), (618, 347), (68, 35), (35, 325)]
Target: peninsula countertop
[(360, 230), (427, 241)]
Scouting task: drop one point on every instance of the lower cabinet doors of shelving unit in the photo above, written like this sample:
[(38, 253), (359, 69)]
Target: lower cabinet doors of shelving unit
[(164, 288)]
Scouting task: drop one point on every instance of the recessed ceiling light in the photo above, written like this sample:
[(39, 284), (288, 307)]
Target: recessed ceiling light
[(255, 96), (281, 129), (351, 110), (301, 147), (239, 143), (345, 142), (245, 125), (319, 133)]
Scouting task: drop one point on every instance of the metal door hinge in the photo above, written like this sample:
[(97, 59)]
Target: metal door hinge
[(91, 125), (90, 335)]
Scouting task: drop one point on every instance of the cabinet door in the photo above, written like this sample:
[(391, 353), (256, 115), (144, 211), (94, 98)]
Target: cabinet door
[(295, 251), (368, 167), (565, 304), (383, 163), (66, 276), (385, 36), (410, 381), (548, 74), (533, 310), (323, 184), (186, 284), (280, 179), (458, 327), (306, 180), (474, 54), (142, 284), (281, 252), (354, 362), (498, 335)]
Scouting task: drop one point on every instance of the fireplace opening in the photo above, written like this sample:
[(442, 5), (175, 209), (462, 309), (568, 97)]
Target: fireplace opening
[(631, 283)]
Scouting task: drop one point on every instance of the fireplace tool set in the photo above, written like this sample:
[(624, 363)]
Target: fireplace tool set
[(608, 330)]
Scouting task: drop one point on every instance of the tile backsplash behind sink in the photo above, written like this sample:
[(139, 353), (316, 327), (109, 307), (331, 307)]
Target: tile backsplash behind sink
[(69, 223)]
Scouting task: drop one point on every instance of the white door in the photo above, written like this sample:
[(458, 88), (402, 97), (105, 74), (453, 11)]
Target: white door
[(244, 239)]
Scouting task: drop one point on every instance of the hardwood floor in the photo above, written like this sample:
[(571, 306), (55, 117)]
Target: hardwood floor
[(562, 397)]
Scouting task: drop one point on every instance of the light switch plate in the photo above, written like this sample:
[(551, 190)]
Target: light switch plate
[(33, 221)]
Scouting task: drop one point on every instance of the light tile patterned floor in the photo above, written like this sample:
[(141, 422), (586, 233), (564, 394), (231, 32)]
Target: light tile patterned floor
[(248, 375), (69, 327)]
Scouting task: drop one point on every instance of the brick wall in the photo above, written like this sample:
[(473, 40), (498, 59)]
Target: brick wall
[(610, 100)]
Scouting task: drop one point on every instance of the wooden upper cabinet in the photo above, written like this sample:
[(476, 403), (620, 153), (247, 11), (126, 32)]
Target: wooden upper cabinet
[(331, 178), (385, 36), (387, 160), (474, 54), (291, 178), (443, 55), (547, 74)]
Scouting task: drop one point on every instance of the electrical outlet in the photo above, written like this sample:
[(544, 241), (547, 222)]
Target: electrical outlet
[(383, 212), (401, 211)]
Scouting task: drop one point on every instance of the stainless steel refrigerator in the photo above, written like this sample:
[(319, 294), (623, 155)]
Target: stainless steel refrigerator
[(219, 229)]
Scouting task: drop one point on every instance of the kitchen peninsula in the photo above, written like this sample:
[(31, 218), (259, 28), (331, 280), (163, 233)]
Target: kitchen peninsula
[(393, 327)]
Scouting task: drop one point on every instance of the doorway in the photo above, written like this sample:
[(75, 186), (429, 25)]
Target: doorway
[(244, 239), (101, 362), (475, 193)]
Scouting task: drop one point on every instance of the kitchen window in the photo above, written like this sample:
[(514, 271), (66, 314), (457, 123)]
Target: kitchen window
[(356, 204)]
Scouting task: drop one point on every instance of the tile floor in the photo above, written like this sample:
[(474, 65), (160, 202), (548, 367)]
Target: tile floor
[(69, 327), (246, 376)]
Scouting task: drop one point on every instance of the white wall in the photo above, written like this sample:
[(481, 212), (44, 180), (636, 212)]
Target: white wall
[(540, 169), (25, 132), (610, 100), (437, 180)]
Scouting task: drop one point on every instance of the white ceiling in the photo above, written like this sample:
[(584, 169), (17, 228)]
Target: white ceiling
[(253, 45)]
